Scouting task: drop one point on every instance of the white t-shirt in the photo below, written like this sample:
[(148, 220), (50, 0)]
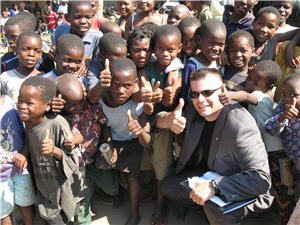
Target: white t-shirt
[(118, 120)]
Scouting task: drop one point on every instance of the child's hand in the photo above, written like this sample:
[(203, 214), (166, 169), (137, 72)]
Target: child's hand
[(51, 53), (169, 93), (176, 120), (133, 125), (47, 146), (290, 57), (57, 104), (223, 59), (148, 108), (69, 140), (157, 93), (85, 64), (224, 96), (290, 113), (20, 161), (146, 90), (105, 76)]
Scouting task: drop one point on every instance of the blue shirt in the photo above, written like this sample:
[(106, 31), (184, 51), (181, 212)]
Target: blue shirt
[(90, 40)]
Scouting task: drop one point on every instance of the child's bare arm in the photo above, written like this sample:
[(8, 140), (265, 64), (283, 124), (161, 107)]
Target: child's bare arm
[(280, 37), (20, 159), (172, 88), (240, 96), (57, 104), (289, 52), (140, 128)]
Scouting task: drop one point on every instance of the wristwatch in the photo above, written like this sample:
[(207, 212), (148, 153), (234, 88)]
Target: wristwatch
[(215, 186)]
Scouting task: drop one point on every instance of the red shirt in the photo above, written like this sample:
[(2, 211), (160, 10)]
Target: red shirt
[(51, 18)]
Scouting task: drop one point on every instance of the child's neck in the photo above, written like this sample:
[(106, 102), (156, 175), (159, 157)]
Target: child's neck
[(203, 60), (108, 100), (33, 123), (161, 68), (270, 94), (26, 71), (243, 70)]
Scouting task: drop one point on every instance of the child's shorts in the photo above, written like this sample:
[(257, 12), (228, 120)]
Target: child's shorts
[(17, 190)]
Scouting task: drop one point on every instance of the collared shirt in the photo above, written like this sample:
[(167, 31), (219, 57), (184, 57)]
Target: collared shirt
[(241, 24), (90, 40)]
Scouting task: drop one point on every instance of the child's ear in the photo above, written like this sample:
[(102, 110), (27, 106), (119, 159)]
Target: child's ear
[(271, 86), (48, 107)]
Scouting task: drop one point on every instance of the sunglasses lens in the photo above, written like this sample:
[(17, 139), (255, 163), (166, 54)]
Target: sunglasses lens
[(207, 93), (195, 94)]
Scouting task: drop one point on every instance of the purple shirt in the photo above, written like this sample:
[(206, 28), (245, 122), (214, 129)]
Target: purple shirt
[(11, 138)]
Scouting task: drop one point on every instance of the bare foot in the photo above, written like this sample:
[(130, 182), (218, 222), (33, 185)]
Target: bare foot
[(134, 219), (159, 216)]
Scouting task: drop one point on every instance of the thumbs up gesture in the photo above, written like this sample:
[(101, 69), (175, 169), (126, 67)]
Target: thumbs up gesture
[(105, 76), (69, 139), (57, 104), (176, 121), (225, 96), (157, 93), (169, 93), (47, 145), (133, 125), (290, 112), (146, 90)]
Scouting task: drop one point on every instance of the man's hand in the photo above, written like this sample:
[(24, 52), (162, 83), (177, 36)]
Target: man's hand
[(105, 75), (225, 96), (69, 140), (57, 104), (202, 193), (146, 90), (133, 125), (47, 145), (176, 121), (20, 161), (290, 113)]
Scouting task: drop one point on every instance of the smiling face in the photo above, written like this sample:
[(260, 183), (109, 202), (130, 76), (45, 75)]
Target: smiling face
[(146, 5), (256, 81), (140, 52), (207, 107), (285, 9), (241, 8), (30, 105), (166, 49), (29, 51), (189, 41), (126, 7), (80, 19), (68, 61), (239, 52), (122, 86), (264, 27), (290, 90), (177, 14)]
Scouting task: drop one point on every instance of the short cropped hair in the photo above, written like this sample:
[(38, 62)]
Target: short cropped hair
[(167, 30), (46, 87), (268, 9), (188, 22), (240, 33), (211, 25), (69, 42), (203, 73), (294, 76), (138, 34), (72, 4), (271, 69), (110, 42), (123, 64), (25, 20), (108, 26), (149, 26), (27, 34)]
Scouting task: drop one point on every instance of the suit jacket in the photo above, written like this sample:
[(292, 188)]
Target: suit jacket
[(237, 152)]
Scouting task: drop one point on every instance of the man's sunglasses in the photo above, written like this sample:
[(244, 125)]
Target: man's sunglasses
[(206, 93)]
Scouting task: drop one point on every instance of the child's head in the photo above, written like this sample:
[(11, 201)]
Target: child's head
[(167, 44), (112, 46), (24, 21), (198, 5), (146, 5), (188, 27), (35, 98), (123, 80), (178, 13), (285, 9), (211, 38), (69, 54), (71, 91), (29, 49), (263, 77), (126, 7), (240, 45), (241, 8), (265, 24), (4, 13), (107, 27), (80, 14), (140, 46), (291, 90)]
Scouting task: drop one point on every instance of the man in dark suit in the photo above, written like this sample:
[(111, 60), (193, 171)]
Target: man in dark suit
[(223, 139)]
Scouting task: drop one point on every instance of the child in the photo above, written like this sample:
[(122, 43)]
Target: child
[(147, 14), (188, 27), (24, 21), (211, 42), (178, 13), (107, 27), (111, 46), (57, 176), (285, 121), (126, 8), (29, 51), (239, 16), (127, 134), (97, 20), (16, 184), (240, 45), (202, 10)]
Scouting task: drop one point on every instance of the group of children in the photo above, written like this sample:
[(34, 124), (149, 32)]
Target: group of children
[(67, 115)]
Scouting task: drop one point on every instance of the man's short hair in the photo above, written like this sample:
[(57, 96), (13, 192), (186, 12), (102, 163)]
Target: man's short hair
[(168, 30), (268, 9), (46, 87), (210, 26), (204, 72), (110, 42), (240, 33), (123, 64), (68, 42), (271, 69)]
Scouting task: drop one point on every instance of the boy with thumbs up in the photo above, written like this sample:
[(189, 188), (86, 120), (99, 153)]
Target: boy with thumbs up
[(57, 176)]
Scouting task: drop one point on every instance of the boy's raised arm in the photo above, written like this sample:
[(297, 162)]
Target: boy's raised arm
[(240, 96)]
